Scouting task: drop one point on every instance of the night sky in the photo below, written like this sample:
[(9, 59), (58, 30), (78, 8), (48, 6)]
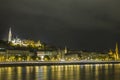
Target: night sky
[(78, 24)]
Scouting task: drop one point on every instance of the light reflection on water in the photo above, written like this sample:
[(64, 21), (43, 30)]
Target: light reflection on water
[(62, 72)]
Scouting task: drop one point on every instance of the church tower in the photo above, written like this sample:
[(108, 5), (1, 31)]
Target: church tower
[(117, 51), (10, 35), (65, 50)]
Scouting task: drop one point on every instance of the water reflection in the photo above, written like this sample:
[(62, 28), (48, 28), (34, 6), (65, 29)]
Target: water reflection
[(62, 72)]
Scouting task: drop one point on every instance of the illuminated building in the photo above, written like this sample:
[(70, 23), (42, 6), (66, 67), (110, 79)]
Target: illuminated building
[(49, 53), (20, 42), (110, 52), (115, 54)]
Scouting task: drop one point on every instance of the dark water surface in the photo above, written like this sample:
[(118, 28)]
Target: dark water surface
[(62, 72)]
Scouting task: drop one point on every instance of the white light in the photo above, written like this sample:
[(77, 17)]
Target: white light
[(42, 58)]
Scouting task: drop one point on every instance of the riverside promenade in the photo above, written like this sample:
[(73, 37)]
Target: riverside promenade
[(48, 63)]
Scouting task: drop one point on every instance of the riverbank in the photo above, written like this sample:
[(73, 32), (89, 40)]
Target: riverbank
[(39, 63)]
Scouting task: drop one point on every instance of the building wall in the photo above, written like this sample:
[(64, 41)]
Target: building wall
[(71, 56), (19, 52), (49, 53)]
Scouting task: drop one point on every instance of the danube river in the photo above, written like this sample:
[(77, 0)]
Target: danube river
[(62, 72)]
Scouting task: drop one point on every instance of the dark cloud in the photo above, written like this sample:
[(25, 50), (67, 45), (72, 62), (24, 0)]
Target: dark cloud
[(76, 23)]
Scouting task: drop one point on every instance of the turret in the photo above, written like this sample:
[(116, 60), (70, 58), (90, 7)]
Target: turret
[(65, 50), (117, 51), (10, 35)]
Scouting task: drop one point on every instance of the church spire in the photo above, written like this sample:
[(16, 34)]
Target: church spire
[(65, 50), (10, 35), (117, 51)]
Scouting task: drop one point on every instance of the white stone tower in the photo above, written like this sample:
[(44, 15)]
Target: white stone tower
[(10, 35)]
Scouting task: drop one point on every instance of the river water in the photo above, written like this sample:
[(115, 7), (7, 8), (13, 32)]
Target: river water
[(62, 72)]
